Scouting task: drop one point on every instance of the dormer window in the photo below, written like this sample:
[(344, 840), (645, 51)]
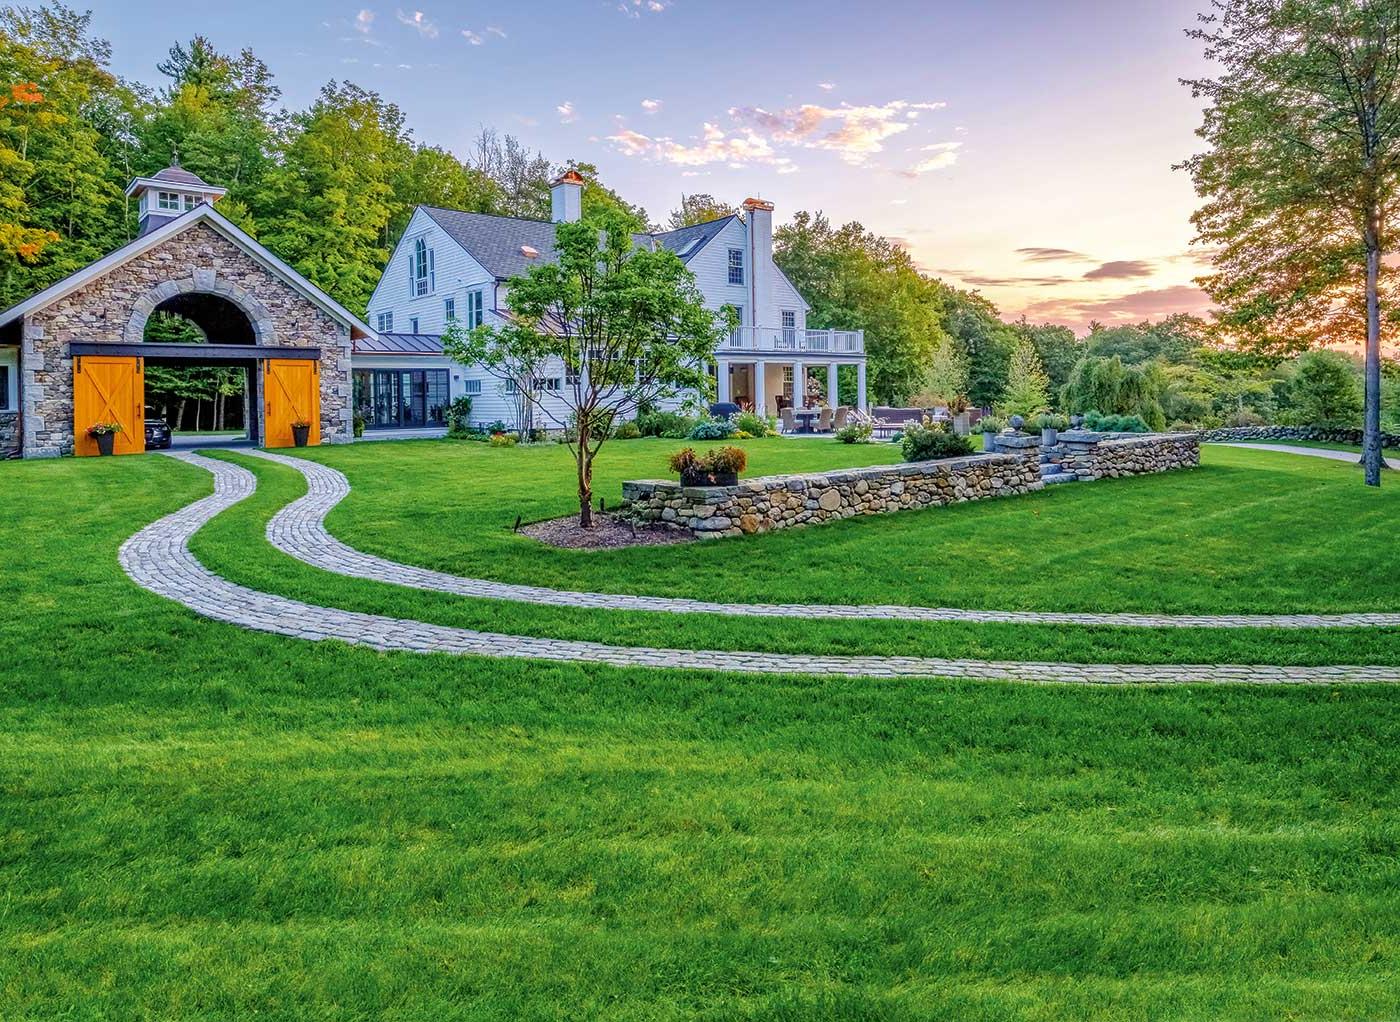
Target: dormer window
[(168, 200)]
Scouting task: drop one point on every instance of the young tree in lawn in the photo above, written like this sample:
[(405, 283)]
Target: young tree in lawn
[(1300, 177), (626, 326)]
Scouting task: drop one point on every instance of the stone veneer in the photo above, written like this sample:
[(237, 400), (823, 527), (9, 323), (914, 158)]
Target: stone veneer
[(9, 434), (781, 502), (107, 309)]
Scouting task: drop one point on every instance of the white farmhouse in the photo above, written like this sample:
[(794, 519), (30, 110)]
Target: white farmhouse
[(455, 265)]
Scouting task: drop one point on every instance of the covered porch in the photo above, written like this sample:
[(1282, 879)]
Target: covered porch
[(767, 385)]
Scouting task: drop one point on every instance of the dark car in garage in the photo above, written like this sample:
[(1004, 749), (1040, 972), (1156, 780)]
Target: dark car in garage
[(157, 435)]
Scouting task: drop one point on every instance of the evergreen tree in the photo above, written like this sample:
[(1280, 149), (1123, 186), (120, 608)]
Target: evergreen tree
[(1027, 386)]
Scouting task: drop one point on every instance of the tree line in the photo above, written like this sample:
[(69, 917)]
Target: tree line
[(330, 188)]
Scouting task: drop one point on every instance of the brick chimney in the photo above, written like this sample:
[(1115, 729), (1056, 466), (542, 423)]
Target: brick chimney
[(566, 198), (758, 217)]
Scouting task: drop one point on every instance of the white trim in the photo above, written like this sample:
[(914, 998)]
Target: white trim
[(160, 184), (167, 230)]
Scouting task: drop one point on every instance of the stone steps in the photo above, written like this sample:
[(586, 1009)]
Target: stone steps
[(1051, 478)]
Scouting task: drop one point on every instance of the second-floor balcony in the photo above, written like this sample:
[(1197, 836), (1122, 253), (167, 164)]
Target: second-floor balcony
[(788, 340)]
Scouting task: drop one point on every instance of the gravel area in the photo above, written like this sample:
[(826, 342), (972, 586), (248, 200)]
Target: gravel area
[(609, 532)]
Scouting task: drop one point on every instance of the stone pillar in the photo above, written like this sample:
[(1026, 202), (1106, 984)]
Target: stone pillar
[(860, 387), (722, 381), (760, 399), (832, 397), (799, 385)]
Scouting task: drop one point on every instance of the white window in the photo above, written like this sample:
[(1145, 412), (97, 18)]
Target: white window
[(571, 379), (476, 304), (449, 309), (787, 381), (191, 201), (737, 337), (4, 388), (413, 324), (789, 328), (420, 270), (546, 383), (168, 200), (384, 322), (511, 388), (471, 387), (736, 266)]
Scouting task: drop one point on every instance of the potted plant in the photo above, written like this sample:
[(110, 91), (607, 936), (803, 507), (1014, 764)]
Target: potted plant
[(105, 433), (962, 418), (716, 468), (301, 432)]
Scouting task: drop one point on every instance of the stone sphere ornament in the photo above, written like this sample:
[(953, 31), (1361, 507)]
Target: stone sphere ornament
[(1017, 421)]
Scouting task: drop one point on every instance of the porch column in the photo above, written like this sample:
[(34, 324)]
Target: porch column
[(799, 385), (860, 387), (722, 381), (831, 395), (760, 400)]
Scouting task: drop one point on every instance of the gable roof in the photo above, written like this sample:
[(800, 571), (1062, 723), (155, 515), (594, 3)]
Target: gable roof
[(202, 213), (496, 241)]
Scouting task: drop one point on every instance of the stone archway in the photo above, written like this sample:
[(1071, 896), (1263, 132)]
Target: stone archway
[(203, 290)]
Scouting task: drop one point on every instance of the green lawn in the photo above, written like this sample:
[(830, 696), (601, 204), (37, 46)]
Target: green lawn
[(1251, 531), (235, 546), (198, 822)]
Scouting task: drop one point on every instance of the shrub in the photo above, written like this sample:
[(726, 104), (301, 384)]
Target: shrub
[(359, 425), (459, 416), (1047, 420), (755, 425), (502, 440), (496, 427), (927, 440), (627, 431), (1100, 423), (684, 460), (992, 424), (712, 429), (673, 425), (855, 433)]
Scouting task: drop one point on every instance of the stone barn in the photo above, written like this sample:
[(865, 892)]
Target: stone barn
[(75, 354)]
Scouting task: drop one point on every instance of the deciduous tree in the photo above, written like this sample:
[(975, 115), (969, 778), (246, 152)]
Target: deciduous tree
[(1300, 175), (626, 326)]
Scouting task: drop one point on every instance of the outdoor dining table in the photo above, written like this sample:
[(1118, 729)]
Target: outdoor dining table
[(805, 417)]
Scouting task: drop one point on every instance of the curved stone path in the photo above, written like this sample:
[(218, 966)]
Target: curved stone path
[(299, 531), (158, 559)]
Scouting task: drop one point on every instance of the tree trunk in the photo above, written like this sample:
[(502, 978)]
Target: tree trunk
[(1371, 425), (219, 409), (585, 477), (180, 416)]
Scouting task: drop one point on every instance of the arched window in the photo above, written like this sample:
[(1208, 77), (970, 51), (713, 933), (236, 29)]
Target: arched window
[(420, 269)]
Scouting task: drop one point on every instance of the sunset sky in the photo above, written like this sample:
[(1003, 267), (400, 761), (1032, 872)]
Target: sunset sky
[(1021, 148)]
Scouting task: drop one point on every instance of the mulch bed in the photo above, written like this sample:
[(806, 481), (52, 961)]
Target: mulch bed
[(609, 532)]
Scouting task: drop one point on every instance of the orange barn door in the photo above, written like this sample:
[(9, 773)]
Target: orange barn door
[(291, 393), (109, 388)]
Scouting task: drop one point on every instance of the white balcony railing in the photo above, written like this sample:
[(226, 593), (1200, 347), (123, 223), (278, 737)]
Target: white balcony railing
[(782, 339)]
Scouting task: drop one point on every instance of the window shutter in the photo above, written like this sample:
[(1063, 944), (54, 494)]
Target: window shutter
[(410, 274), (432, 272)]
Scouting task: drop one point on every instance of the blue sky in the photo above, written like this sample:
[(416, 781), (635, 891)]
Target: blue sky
[(1021, 148)]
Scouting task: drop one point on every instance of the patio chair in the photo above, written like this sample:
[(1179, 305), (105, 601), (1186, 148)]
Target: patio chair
[(842, 414), (788, 420), (824, 420)]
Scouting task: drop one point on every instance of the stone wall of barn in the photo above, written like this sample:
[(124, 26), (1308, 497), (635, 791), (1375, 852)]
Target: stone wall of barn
[(198, 259)]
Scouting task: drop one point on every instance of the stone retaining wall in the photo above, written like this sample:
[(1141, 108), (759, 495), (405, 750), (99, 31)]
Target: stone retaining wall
[(1317, 434), (1088, 456), (782, 502), (9, 434)]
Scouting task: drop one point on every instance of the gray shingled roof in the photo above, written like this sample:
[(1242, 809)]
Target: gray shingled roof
[(495, 241), (179, 176), (400, 344)]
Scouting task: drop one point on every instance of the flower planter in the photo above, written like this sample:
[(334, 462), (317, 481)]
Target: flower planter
[(709, 478), (1049, 436), (106, 443), (300, 435), (989, 442)]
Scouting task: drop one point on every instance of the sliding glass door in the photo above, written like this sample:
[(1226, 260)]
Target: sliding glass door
[(401, 398)]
